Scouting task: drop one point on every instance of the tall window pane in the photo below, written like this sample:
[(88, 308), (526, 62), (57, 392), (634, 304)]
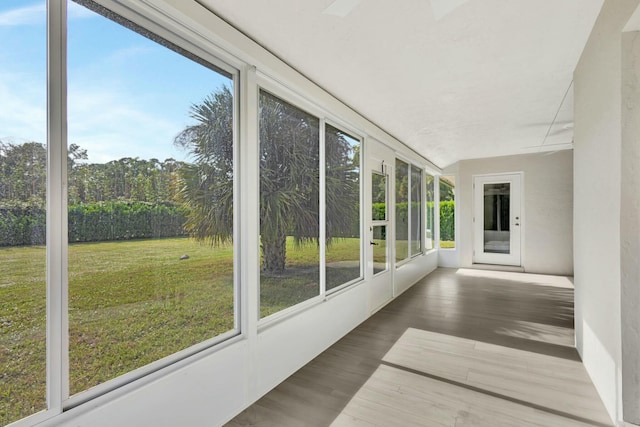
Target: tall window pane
[(429, 230), (289, 204), (342, 172), (150, 200), (23, 165), (416, 210), (447, 212), (379, 216), (402, 210)]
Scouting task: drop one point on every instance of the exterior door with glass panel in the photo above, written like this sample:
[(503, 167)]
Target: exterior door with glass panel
[(379, 271), (497, 219)]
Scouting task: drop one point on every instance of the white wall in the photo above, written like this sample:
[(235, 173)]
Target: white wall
[(547, 227), (210, 388), (597, 198), (630, 224)]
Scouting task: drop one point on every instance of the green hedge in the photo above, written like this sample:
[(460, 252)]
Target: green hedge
[(120, 220), (124, 221), (116, 220), (22, 225), (447, 217), (447, 220)]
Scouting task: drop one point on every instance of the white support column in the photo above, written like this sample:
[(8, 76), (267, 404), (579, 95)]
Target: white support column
[(57, 255), (249, 220)]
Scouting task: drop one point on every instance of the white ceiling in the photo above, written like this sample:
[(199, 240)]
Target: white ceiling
[(453, 79)]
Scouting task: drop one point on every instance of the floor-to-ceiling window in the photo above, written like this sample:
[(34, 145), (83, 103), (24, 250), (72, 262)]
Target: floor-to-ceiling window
[(150, 199), (142, 273)]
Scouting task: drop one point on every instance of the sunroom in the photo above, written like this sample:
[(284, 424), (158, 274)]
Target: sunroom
[(198, 198)]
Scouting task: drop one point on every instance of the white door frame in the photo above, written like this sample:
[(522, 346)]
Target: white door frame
[(514, 256), (380, 160)]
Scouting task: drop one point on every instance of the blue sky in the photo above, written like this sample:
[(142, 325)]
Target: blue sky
[(127, 95)]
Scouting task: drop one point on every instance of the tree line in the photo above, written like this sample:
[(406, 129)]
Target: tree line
[(23, 170)]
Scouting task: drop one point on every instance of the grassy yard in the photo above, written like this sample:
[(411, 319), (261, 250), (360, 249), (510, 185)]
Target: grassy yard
[(301, 278), (134, 302), (22, 332)]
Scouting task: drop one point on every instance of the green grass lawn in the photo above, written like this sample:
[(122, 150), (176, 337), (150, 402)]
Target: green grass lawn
[(301, 279), (130, 303), (22, 332), (134, 302)]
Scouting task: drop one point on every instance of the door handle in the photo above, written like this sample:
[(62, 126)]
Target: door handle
[(374, 243)]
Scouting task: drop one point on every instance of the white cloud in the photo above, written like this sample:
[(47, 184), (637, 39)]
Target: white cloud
[(23, 109), (106, 122), (29, 15), (111, 126)]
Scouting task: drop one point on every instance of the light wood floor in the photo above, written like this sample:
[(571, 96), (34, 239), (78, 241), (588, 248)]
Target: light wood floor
[(460, 348)]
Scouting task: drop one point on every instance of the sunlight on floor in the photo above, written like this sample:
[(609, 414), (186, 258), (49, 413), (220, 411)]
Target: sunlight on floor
[(532, 279), (433, 379)]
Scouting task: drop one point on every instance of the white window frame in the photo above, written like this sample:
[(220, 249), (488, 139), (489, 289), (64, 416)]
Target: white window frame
[(302, 102), (422, 213), (57, 318), (426, 173), (360, 139), (410, 256)]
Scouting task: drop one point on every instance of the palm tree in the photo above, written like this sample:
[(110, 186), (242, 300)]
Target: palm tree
[(289, 176), (205, 186)]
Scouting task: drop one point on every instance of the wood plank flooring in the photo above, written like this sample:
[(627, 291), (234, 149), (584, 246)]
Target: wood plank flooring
[(460, 348)]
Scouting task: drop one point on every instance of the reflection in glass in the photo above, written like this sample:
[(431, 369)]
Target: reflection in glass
[(379, 242), (150, 201), (496, 218), (379, 196), (343, 207), (402, 210), (23, 176), (289, 204)]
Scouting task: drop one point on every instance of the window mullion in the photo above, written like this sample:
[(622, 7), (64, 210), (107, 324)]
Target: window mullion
[(57, 249), (322, 215)]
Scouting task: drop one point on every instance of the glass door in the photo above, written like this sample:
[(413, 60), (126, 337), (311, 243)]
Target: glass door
[(497, 219), (379, 254)]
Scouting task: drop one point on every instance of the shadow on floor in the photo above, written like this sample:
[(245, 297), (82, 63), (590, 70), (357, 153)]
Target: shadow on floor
[(516, 314)]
